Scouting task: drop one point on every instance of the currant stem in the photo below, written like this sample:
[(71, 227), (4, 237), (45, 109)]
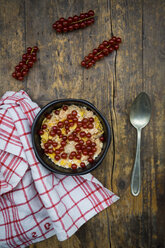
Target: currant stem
[(83, 19), (97, 54)]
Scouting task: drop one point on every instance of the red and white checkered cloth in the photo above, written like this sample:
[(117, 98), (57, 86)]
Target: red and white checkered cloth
[(35, 203)]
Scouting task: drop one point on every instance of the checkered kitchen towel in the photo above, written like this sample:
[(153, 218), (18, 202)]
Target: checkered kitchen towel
[(35, 203)]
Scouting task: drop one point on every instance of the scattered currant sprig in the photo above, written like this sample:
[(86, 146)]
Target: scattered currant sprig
[(75, 22), (104, 49), (28, 59)]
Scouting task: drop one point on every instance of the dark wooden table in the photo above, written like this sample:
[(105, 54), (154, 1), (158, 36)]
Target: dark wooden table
[(111, 85)]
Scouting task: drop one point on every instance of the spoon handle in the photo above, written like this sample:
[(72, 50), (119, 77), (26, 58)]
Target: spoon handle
[(136, 177)]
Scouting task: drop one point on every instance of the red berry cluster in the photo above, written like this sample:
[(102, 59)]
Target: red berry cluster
[(75, 22), (28, 59), (105, 48), (87, 148)]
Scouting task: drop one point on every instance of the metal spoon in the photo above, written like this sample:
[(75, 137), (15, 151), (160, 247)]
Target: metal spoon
[(139, 117)]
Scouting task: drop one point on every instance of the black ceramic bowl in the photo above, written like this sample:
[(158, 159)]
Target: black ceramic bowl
[(44, 160)]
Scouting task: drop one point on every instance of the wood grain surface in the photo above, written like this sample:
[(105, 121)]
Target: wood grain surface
[(111, 85)]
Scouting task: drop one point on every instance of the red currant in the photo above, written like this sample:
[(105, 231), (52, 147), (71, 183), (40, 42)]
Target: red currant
[(64, 155), (65, 108), (74, 166), (82, 164), (57, 112), (57, 157), (41, 132)]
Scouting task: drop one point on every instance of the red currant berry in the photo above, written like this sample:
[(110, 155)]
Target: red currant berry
[(55, 144), (73, 153), (29, 49), (65, 29), (82, 134), (77, 146), (91, 13), (78, 129), (46, 145), (118, 40), (114, 38), (62, 19), (20, 78), (90, 160), (41, 132), (82, 16), (64, 138), (66, 122), (88, 135), (110, 49), (89, 142), (50, 151), (44, 126), (69, 117), (90, 126), (78, 156), (59, 30), (21, 64), (64, 155), (94, 149), (57, 151), (65, 23), (60, 124), (35, 48), (111, 42), (14, 75), (54, 26), (105, 43), (74, 166), (70, 137), (79, 124), (48, 116), (102, 138), (58, 131), (116, 47), (65, 108), (82, 25), (82, 164), (17, 68), (52, 133), (57, 157), (86, 58), (100, 56), (81, 142), (63, 143), (75, 18), (76, 139), (24, 56), (61, 148), (85, 152), (83, 63), (24, 73), (106, 51), (90, 55), (57, 112), (71, 28), (70, 157), (74, 112), (93, 144), (101, 47), (50, 141), (76, 26), (70, 19), (71, 124), (75, 119)]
